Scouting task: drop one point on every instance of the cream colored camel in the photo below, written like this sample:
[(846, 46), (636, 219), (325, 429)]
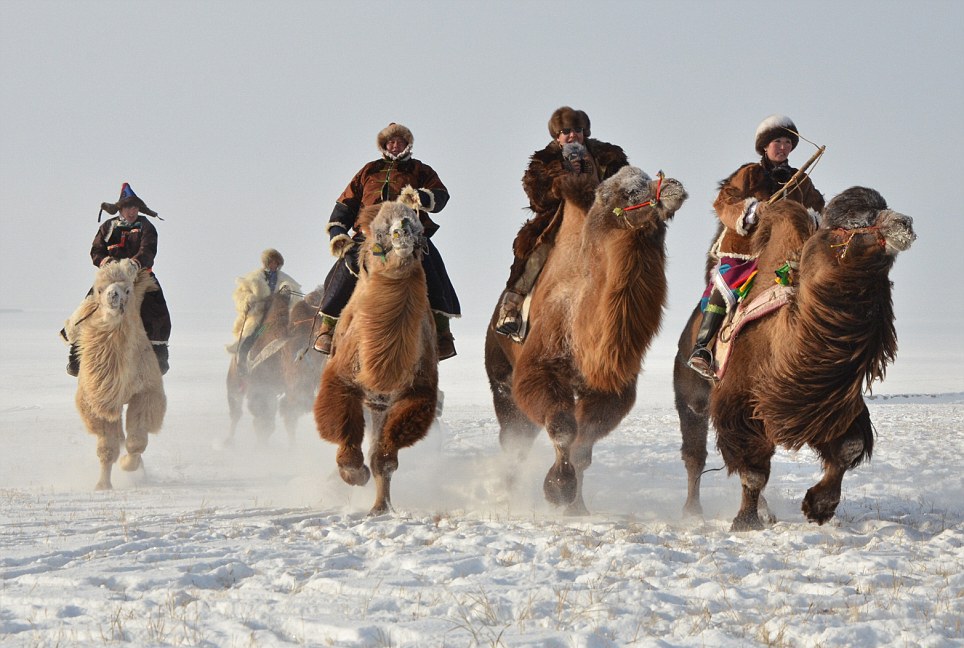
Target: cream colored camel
[(117, 367)]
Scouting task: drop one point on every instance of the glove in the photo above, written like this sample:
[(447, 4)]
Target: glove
[(340, 245), (748, 219), (426, 200)]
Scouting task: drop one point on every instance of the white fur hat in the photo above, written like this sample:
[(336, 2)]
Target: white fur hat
[(773, 127)]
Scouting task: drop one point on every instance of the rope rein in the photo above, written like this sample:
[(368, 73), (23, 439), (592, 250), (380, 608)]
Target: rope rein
[(851, 233), (621, 211)]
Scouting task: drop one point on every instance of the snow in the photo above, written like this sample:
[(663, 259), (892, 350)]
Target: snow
[(252, 545)]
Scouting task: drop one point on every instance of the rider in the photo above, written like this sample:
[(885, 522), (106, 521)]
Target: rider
[(535, 239), (736, 205), (252, 293), (131, 236), (382, 180)]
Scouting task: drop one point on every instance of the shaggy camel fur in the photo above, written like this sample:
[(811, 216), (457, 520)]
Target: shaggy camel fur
[(795, 378), (384, 354), (596, 307), (118, 367), (276, 375)]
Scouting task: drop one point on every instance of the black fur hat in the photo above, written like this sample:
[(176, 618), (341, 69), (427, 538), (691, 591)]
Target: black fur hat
[(127, 199)]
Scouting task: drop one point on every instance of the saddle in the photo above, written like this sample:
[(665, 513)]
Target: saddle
[(770, 300)]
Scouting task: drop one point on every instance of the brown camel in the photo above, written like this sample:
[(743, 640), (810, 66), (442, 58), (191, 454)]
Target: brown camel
[(383, 354), (118, 367), (271, 369), (595, 309), (795, 377)]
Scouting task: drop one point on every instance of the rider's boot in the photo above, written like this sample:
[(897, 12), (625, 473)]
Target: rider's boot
[(701, 359)]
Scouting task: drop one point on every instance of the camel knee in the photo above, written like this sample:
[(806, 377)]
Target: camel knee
[(851, 451), (561, 428)]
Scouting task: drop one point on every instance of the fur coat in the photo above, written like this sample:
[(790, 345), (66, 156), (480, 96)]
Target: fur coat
[(752, 182), (539, 181), (250, 297)]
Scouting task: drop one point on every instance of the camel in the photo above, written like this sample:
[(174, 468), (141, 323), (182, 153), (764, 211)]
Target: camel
[(384, 355), (118, 367), (795, 376), (594, 311), (273, 371)]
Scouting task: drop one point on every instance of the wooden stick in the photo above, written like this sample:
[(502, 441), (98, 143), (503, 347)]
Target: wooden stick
[(792, 182)]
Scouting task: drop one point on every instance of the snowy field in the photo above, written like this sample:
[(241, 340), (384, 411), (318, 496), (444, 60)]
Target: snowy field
[(265, 546)]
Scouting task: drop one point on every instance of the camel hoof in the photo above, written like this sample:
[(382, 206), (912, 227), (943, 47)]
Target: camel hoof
[(103, 486), (130, 463), (747, 523), (692, 509), (560, 484), (355, 476), (819, 507), (380, 509), (577, 509)]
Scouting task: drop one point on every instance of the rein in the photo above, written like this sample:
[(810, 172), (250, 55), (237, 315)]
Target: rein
[(621, 211), (841, 232)]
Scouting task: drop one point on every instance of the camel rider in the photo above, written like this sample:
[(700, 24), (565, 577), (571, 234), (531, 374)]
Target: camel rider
[(736, 204), (130, 235), (382, 180), (568, 128), (251, 297)]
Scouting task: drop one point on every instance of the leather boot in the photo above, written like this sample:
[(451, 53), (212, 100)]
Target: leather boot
[(73, 361), (510, 314), (701, 360), (161, 351), (325, 335), (446, 345)]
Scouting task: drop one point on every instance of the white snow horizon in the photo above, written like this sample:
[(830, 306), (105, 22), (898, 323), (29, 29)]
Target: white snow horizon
[(254, 545)]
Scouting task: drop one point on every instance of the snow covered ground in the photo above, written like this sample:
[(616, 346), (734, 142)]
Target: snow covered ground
[(265, 546)]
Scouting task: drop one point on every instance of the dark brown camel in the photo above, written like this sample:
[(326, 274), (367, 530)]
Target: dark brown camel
[(384, 355), (596, 307), (275, 373), (795, 377)]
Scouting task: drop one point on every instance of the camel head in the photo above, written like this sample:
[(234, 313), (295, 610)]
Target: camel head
[(394, 233), (632, 195), (114, 288), (861, 214)]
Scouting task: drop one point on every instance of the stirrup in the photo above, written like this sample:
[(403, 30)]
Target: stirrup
[(509, 323), (701, 361), (323, 343), (510, 314)]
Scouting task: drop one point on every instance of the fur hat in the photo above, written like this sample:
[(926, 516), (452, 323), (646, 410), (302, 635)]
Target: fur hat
[(127, 199), (270, 255), (773, 127), (566, 117), (395, 130)]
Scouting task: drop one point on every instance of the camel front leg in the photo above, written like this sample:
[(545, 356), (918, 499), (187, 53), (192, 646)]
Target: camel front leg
[(109, 437), (340, 420), (753, 483), (597, 414), (145, 414), (403, 424), (839, 456)]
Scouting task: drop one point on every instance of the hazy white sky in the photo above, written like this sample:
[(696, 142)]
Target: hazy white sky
[(241, 122)]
